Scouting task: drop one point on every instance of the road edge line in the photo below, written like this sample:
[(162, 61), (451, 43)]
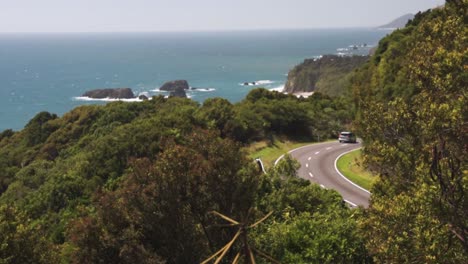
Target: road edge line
[(350, 203), (344, 177)]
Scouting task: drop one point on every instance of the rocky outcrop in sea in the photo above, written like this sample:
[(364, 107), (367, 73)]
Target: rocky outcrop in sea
[(175, 85), (176, 88), (114, 93), (178, 92)]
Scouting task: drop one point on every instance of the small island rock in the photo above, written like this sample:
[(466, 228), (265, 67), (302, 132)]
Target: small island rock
[(115, 93), (176, 85), (143, 97), (178, 92)]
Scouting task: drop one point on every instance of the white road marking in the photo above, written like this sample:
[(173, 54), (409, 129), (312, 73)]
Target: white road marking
[(323, 186), (317, 152), (309, 158), (291, 151), (311, 175), (329, 148), (307, 165), (351, 203)]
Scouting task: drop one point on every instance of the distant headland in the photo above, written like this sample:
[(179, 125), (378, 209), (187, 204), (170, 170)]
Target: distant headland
[(399, 22)]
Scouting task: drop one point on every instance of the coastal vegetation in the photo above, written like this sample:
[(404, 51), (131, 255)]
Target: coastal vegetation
[(412, 110), (136, 182), (269, 151), (146, 182)]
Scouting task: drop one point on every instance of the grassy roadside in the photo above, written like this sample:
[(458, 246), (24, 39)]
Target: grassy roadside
[(270, 152), (350, 165)]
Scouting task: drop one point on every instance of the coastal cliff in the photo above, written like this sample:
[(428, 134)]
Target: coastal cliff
[(328, 74)]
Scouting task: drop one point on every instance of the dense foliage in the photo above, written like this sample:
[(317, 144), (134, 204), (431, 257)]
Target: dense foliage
[(412, 113), (136, 182), (309, 224)]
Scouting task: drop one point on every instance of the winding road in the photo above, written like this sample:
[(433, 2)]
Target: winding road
[(318, 165)]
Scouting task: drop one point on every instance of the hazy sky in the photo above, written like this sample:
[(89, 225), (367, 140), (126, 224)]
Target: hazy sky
[(195, 15)]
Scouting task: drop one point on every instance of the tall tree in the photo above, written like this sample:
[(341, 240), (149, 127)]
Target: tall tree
[(415, 134)]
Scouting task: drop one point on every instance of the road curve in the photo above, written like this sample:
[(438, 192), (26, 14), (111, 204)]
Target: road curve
[(318, 165)]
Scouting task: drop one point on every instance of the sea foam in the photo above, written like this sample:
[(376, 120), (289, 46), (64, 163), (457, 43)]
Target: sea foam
[(85, 98), (257, 83), (203, 90), (156, 90), (278, 89)]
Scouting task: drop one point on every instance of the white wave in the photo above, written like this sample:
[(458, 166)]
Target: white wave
[(278, 89), (264, 82), (156, 90), (145, 94), (257, 83), (188, 96), (187, 91), (304, 94), (316, 58), (85, 98), (204, 89)]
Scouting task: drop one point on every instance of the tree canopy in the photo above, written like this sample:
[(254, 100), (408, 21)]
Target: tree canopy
[(412, 114)]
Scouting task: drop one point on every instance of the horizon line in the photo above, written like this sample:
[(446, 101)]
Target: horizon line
[(189, 31)]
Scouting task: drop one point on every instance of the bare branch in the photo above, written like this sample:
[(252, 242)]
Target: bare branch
[(261, 220), (225, 217)]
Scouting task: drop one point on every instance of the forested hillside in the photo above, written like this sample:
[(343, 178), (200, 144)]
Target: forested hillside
[(137, 183), (412, 114)]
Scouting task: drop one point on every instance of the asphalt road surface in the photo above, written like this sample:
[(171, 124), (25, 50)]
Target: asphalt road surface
[(318, 165)]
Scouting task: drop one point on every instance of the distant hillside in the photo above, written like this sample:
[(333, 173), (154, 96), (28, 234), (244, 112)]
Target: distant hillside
[(399, 22), (328, 74)]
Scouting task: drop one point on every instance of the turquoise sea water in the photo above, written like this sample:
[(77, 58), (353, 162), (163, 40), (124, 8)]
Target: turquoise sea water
[(47, 72)]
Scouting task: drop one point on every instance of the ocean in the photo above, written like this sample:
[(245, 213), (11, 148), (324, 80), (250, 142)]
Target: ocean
[(50, 72)]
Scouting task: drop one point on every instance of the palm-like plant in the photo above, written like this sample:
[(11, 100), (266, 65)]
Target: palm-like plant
[(247, 250)]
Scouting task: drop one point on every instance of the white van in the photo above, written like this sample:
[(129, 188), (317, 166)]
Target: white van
[(347, 137)]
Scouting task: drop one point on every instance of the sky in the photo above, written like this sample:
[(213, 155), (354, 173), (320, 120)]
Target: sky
[(199, 15)]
